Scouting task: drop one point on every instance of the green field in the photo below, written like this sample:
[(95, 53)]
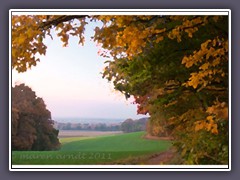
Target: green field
[(110, 149)]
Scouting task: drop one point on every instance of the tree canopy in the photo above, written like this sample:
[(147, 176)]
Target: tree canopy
[(176, 68)]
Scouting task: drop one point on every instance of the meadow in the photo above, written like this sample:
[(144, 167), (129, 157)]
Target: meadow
[(107, 149)]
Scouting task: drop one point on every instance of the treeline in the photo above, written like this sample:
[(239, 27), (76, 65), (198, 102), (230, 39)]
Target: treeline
[(87, 126), (129, 125)]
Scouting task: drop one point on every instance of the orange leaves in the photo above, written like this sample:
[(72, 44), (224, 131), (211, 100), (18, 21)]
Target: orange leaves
[(159, 34), (208, 125), (159, 31), (160, 38), (205, 66), (27, 40), (217, 112), (105, 18), (175, 34), (131, 33), (193, 81), (28, 33), (199, 125), (211, 58), (191, 26), (73, 28), (124, 35), (188, 25), (188, 61)]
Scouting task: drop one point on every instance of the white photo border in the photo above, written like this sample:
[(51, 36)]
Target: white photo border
[(119, 12)]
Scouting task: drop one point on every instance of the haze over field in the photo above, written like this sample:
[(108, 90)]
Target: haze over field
[(88, 120)]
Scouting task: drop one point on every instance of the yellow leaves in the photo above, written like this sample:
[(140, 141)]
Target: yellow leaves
[(225, 45), (175, 34), (208, 125), (190, 31), (28, 33), (130, 39), (204, 66), (21, 39), (217, 112), (64, 31), (187, 61), (199, 125), (26, 42), (189, 26), (214, 129), (64, 38), (219, 109), (159, 31), (205, 44), (213, 56), (105, 18), (159, 39), (216, 62), (193, 80)]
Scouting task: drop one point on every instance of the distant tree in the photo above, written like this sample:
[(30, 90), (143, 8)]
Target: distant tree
[(32, 127), (140, 124), (127, 126), (130, 125)]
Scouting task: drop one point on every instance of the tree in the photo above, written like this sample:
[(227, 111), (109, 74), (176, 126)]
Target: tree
[(127, 126), (130, 125), (176, 68), (179, 81), (32, 127)]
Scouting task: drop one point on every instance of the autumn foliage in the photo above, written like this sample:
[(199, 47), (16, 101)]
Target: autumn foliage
[(176, 68), (32, 127)]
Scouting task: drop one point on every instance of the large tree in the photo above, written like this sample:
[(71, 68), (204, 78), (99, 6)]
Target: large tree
[(32, 127), (181, 81), (176, 68)]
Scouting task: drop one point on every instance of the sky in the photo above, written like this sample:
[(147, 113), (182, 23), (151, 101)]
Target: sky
[(70, 82)]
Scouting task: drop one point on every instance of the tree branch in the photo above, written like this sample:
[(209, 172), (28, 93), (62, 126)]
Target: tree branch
[(60, 19)]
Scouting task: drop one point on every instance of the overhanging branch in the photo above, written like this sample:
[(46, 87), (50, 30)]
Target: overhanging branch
[(60, 19)]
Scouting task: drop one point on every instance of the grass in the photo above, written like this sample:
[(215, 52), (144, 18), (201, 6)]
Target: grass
[(71, 139), (97, 150)]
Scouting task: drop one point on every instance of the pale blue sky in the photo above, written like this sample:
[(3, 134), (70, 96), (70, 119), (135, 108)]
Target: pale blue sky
[(69, 81)]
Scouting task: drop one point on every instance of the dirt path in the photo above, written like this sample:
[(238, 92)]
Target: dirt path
[(147, 136), (161, 158)]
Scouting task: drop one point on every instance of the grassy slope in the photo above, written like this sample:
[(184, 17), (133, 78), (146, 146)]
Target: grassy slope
[(99, 150)]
